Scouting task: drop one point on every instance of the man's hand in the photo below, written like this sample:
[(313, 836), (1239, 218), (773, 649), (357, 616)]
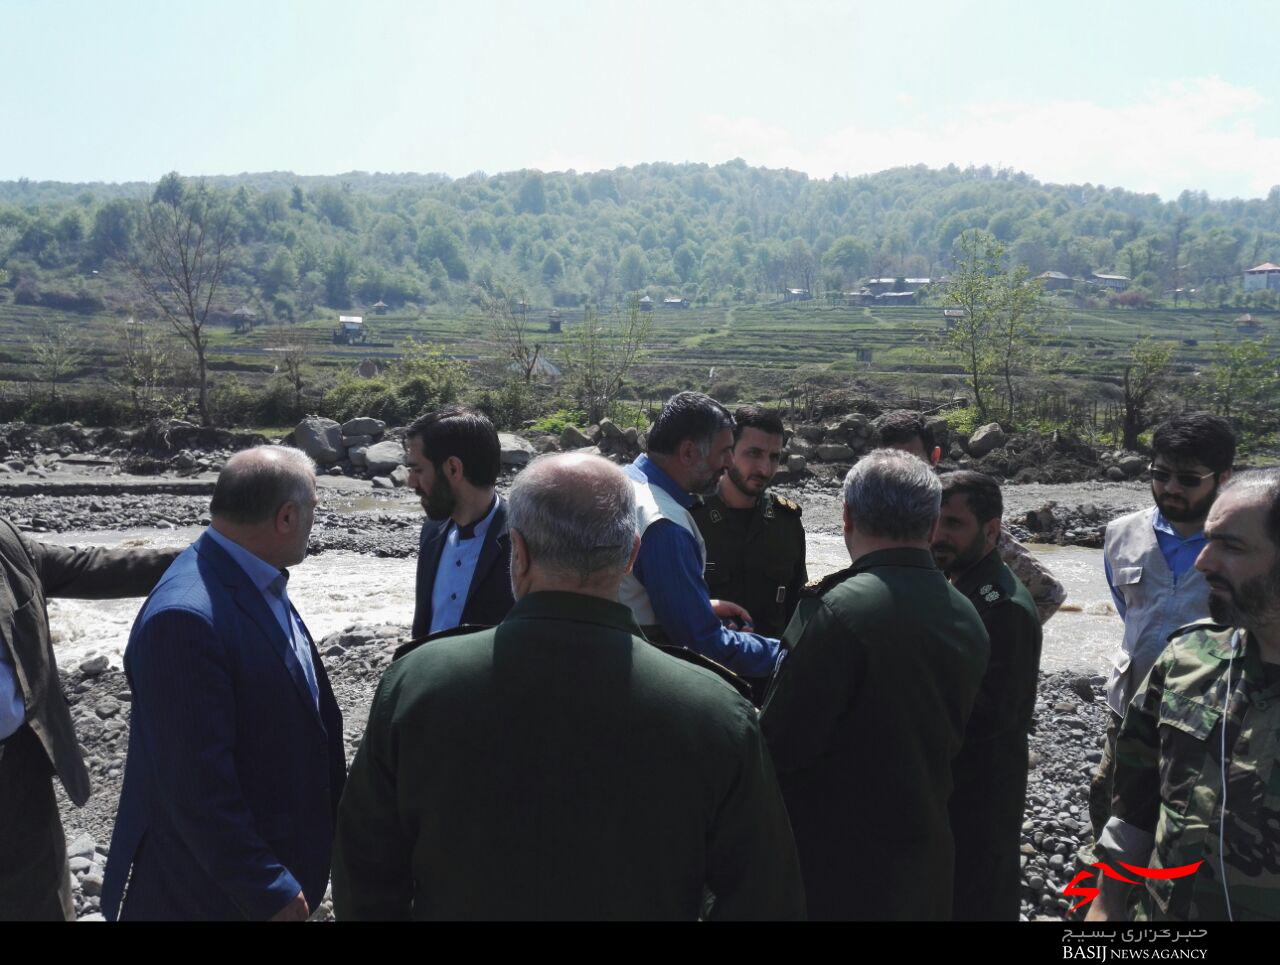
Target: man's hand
[(1111, 902), (296, 910), (736, 615)]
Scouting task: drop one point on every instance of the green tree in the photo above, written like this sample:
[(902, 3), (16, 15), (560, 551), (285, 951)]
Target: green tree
[(633, 268), (552, 268), (1143, 379), (1244, 383), (850, 256), (337, 278), (601, 353), (55, 349), (533, 194)]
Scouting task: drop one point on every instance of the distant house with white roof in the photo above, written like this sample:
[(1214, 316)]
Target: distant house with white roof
[(1265, 276)]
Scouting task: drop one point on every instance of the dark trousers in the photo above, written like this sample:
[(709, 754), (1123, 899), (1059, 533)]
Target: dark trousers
[(35, 882), (986, 810), (1100, 787)]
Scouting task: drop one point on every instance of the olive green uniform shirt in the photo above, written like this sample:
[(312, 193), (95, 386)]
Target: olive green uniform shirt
[(558, 766), (864, 719), (991, 769), (1167, 808), (755, 558)]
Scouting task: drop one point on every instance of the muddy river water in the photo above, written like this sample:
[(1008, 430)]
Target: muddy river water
[(335, 589)]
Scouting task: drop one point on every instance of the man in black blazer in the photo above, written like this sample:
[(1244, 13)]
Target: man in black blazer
[(37, 739), (464, 556)]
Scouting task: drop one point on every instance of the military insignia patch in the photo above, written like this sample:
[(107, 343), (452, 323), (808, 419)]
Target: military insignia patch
[(715, 516)]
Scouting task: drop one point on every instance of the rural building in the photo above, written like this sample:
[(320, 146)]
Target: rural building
[(864, 354), (1247, 324), (553, 320), (879, 286), (646, 304), (380, 307), (350, 330), (1114, 282), (244, 318), (863, 296), (951, 316), (1054, 281), (1265, 276), (797, 295), (675, 303), (896, 298)]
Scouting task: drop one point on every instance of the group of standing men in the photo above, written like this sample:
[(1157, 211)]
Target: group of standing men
[(571, 734)]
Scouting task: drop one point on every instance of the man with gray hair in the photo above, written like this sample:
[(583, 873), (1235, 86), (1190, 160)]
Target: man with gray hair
[(870, 707), (558, 766), (235, 761), (690, 445)]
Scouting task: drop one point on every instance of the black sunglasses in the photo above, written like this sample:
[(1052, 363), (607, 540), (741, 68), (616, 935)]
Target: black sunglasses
[(1187, 480)]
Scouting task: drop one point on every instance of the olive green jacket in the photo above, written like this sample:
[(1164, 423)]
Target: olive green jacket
[(863, 721), (558, 766), (760, 566), (1167, 809)]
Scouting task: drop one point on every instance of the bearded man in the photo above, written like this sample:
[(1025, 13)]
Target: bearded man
[(1149, 557), (990, 772), (464, 555), (689, 447), (1197, 758)]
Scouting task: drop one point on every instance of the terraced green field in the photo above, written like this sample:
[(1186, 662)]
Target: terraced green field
[(761, 347)]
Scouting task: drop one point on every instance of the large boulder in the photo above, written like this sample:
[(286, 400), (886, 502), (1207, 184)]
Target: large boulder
[(1133, 465), (796, 464), (987, 439), (813, 433), (573, 438), (355, 455), (609, 430), (382, 457), (515, 450), (363, 427), (352, 442), (941, 430), (321, 439), (834, 452)]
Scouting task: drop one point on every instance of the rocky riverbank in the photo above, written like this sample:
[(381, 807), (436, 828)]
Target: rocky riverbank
[(1064, 748)]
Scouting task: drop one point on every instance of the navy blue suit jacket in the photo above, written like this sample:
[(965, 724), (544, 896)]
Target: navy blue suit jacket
[(489, 597), (233, 777)]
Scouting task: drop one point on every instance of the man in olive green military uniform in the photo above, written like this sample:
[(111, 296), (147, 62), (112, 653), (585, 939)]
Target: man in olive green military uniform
[(990, 773), (754, 538), (1197, 779), (869, 708), (559, 766)]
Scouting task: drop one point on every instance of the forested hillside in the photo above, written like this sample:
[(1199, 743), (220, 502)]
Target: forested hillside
[(718, 235)]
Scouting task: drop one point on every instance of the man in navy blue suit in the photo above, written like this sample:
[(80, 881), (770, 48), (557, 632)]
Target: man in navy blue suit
[(235, 761), (464, 555)]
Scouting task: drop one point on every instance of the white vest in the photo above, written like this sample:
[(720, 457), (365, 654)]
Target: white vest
[(652, 504), (1154, 605)]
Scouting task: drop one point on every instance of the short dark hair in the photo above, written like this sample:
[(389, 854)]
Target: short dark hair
[(252, 488), (1267, 481), (757, 417), (1196, 437), (458, 431), (903, 425), (980, 491), (687, 415)]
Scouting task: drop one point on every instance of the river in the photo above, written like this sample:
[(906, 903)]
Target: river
[(335, 589)]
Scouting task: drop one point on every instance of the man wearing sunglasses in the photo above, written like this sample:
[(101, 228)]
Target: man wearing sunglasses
[(1148, 556)]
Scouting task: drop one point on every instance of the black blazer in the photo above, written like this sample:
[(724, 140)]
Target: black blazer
[(489, 596)]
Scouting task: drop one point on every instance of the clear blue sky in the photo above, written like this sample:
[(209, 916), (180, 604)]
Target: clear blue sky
[(1155, 96)]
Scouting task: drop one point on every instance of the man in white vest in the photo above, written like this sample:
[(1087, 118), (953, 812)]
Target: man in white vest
[(1149, 557), (689, 447)]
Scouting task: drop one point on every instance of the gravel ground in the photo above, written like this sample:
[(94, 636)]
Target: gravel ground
[(1064, 748)]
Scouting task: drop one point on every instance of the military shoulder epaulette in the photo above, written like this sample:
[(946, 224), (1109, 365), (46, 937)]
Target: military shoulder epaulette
[(1206, 624), (790, 505), (991, 592), (706, 663), (819, 587), (457, 631)]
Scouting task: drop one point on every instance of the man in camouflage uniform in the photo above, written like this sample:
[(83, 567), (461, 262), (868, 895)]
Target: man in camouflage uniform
[(1197, 780), (754, 538), (906, 430), (870, 708), (990, 772)]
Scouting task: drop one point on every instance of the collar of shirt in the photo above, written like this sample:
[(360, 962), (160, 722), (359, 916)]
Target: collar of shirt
[(658, 477), (479, 528), (261, 573), (1162, 525)]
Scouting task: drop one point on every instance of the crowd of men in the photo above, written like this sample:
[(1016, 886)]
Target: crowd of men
[(624, 700)]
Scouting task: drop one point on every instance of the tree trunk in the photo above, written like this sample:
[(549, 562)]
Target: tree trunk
[(202, 375)]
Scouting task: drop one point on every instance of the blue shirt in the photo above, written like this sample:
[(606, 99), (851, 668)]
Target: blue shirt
[(271, 583), (13, 712), (1179, 553), (453, 576), (669, 568)]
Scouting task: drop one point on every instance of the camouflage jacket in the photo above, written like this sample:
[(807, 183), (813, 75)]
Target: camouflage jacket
[(1167, 809), (1046, 591)]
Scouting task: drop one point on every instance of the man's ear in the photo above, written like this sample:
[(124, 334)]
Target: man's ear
[(1224, 476), (286, 516), (635, 551), (991, 529), (520, 553), (845, 518), (688, 453), (935, 455), (453, 469)]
